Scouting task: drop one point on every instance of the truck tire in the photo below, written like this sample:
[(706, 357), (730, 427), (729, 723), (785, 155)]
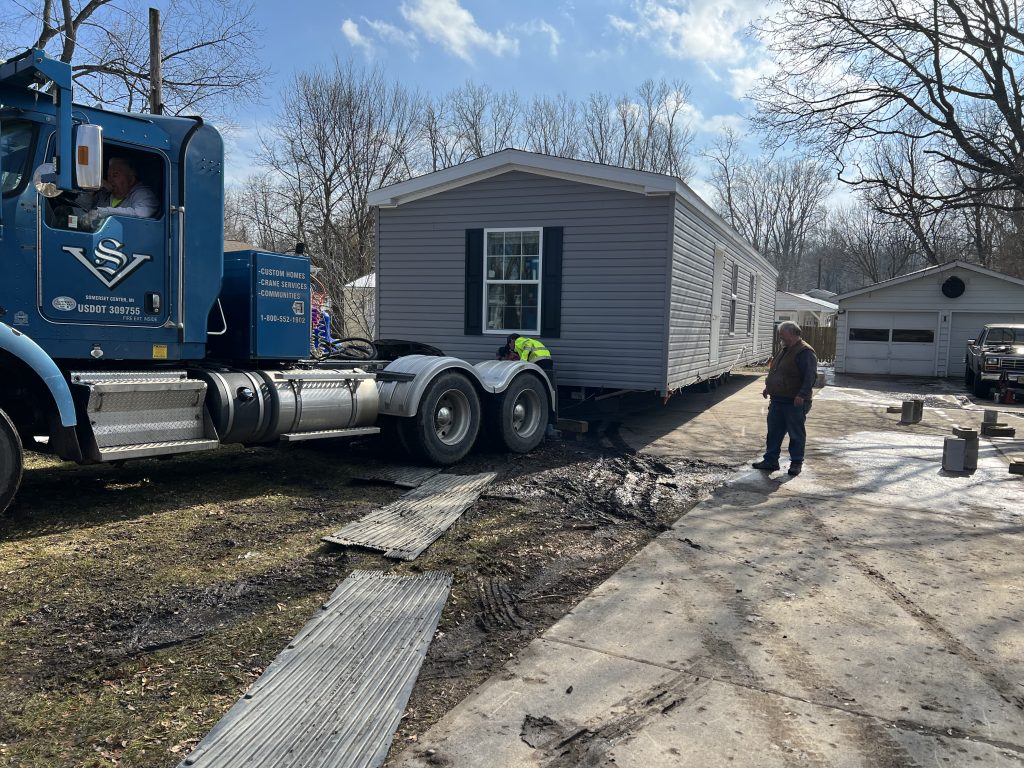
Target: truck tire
[(980, 387), (519, 415), (968, 377), (11, 461), (447, 421)]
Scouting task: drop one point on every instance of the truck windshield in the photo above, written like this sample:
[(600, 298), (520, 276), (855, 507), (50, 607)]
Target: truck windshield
[(1005, 336), (15, 143)]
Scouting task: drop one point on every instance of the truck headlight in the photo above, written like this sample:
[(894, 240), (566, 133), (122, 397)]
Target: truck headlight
[(991, 362)]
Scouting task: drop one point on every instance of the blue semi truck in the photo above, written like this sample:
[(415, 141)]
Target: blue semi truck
[(126, 337)]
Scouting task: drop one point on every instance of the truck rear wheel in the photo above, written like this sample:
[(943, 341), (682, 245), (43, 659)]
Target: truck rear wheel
[(519, 416), (447, 421), (11, 461)]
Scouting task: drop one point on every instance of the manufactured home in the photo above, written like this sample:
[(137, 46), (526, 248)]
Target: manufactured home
[(630, 279)]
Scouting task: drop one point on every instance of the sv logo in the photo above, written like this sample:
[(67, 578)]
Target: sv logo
[(107, 263)]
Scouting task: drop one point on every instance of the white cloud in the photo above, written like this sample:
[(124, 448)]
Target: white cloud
[(389, 33), (744, 78), (448, 23), (708, 31), (541, 27), (713, 124), (355, 38)]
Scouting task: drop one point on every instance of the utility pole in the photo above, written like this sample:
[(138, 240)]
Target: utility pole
[(156, 77)]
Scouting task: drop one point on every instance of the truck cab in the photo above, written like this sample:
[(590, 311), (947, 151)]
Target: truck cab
[(132, 334), (996, 355)]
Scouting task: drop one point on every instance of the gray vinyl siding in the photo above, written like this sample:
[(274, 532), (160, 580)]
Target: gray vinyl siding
[(987, 295), (614, 263), (689, 336)]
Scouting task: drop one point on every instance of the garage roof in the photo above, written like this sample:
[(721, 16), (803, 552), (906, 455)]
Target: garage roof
[(934, 270), (787, 300)]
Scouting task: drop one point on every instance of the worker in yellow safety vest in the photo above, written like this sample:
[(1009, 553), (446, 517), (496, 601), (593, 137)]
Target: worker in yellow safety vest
[(531, 350)]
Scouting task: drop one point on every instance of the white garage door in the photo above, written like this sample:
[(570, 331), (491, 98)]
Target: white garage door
[(967, 325), (891, 343)]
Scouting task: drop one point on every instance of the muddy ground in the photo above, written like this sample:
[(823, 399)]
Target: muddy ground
[(138, 602)]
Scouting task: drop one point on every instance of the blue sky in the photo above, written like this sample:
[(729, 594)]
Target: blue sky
[(575, 46)]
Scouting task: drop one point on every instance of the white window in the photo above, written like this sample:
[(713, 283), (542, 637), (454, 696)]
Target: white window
[(512, 271), (750, 308), (734, 297)]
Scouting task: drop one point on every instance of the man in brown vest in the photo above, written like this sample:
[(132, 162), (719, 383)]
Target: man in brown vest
[(789, 385)]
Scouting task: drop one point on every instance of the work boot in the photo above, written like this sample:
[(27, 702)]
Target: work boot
[(766, 466), (795, 467)]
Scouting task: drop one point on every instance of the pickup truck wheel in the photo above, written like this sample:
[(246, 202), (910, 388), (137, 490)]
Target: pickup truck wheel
[(447, 421), (980, 387), (968, 377), (520, 416), (11, 461)]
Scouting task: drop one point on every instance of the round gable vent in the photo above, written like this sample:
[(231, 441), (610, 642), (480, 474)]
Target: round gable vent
[(953, 287)]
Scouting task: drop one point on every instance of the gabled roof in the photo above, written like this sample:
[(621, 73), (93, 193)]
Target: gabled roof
[(927, 271), (583, 171), (787, 300)]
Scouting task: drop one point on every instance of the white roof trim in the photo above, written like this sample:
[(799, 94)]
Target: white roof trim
[(786, 300), (585, 172), (933, 270)]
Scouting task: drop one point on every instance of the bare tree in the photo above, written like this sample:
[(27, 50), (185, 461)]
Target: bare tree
[(485, 121), (874, 246), (778, 205), (340, 134), (210, 55), (552, 126), (853, 74)]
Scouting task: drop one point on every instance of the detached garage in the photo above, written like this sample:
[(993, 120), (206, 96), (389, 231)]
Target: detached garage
[(919, 324)]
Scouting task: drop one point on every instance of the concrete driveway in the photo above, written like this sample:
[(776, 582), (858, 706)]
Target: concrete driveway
[(869, 612)]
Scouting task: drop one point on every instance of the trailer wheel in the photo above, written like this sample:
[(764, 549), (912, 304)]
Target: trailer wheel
[(11, 461), (447, 422), (519, 417)]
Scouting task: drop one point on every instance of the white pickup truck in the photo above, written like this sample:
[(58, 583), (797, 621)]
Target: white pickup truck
[(996, 355)]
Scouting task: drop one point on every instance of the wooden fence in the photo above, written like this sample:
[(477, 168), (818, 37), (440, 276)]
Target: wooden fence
[(822, 339)]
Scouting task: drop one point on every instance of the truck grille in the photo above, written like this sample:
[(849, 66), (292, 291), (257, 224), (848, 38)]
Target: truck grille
[(1012, 364)]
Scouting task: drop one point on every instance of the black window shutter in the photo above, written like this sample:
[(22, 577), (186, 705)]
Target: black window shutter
[(474, 282), (551, 284)]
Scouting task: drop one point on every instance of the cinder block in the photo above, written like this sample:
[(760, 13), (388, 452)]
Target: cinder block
[(997, 430), (967, 433), (912, 411), (1017, 468), (819, 381), (894, 409), (954, 450), (990, 416)]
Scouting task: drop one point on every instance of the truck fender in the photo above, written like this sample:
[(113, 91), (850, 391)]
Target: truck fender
[(401, 385), (30, 353)]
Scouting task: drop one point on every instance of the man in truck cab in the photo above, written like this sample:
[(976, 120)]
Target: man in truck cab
[(122, 194)]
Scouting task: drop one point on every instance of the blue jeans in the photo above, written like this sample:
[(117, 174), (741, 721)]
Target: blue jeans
[(786, 419)]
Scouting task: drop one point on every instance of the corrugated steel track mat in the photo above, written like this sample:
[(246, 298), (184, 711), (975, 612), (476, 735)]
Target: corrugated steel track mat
[(335, 695), (404, 528), (396, 474)]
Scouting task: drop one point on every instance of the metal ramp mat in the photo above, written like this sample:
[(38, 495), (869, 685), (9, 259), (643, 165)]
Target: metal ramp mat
[(334, 697), (403, 476), (404, 528)]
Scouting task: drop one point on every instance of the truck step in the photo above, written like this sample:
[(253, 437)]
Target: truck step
[(323, 434), (146, 450)]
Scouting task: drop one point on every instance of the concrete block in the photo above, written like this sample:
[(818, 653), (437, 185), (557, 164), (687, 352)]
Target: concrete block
[(954, 451), (912, 411), (997, 430), (967, 433), (990, 416), (819, 381), (894, 409), (1017, 467), (972, 439)]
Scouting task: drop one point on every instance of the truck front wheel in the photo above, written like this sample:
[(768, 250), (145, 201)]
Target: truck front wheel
[(520, 415), (11, 461), (447, 421)]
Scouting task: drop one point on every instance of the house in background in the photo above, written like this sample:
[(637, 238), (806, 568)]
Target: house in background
[(919, 324), (630, 278), (359, 308), (804, 310)]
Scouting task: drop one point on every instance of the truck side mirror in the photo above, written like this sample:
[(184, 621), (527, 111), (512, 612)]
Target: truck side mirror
[(89, 156), (971, 341)]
